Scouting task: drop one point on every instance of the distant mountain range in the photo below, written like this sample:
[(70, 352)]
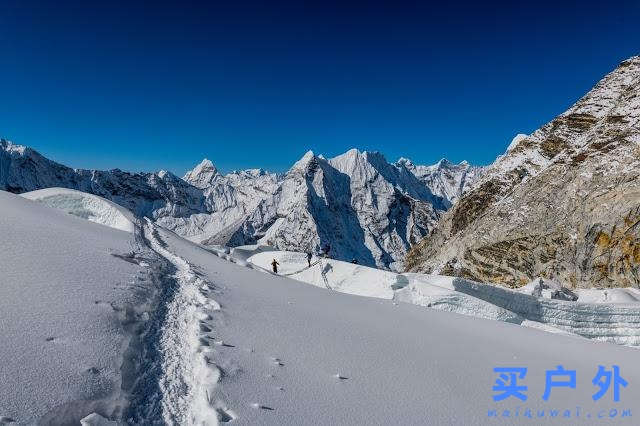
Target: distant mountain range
[(364, 207)]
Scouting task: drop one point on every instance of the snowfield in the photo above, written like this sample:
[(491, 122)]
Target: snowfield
[(150, 328)]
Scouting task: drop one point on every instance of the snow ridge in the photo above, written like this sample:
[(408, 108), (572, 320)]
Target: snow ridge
[(607, 322), (87, 206)]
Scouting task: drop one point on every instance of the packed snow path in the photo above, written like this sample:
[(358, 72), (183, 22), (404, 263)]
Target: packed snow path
[(189, 377)]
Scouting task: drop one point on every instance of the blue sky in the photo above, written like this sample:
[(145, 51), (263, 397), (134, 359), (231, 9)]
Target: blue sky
[(257, 84)]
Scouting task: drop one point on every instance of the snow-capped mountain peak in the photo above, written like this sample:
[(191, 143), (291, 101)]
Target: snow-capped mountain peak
[(443, 163), (405, 162), (351, 161), (303, 164), (202, 175), (11, 147)]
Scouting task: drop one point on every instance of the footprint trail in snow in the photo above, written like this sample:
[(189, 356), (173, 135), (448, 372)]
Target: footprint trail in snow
[(189, 383)]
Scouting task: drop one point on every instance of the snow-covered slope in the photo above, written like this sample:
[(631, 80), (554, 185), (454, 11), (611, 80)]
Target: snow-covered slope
[(561, 203), (298, 354), (75, 300)]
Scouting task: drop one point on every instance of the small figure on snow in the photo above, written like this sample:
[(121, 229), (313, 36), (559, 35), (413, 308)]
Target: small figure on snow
[(309, 258), (275, 264), (354, 261)]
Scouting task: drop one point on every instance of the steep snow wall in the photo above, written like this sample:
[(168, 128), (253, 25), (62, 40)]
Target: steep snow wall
[(616, 323), (87, 206)]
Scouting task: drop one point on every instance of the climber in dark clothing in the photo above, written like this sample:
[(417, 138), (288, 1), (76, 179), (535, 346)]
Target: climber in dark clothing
[(309, 258), (275, 264), (354, 261)]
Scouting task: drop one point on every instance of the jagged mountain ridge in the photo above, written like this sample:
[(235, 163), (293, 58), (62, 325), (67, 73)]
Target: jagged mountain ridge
[(563, 202), (363, 206), (445, 179), (23, 169)]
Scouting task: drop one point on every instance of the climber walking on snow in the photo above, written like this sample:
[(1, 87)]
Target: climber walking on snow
[(275, 264), (309, 258)]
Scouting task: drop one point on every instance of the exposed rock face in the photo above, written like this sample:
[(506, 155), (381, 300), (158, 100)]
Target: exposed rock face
[(358, 203), (562, 203)]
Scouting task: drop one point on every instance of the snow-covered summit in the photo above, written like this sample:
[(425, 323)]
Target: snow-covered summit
[(9, 146), (202, 175), (358, 203)]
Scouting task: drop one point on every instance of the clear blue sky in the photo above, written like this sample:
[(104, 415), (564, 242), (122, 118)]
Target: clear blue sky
[(256, 84)]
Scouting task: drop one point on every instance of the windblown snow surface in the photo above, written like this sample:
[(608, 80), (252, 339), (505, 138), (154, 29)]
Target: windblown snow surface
[(72, 295), (149, 328)]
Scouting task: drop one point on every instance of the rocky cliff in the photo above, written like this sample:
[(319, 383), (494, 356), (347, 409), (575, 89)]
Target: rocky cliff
[(562, 203)]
